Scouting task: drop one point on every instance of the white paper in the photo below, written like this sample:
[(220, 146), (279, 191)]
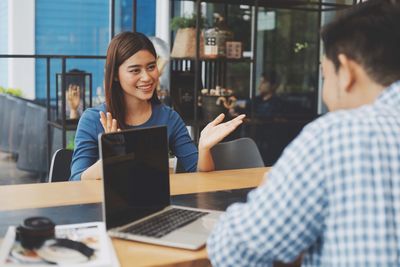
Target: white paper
[(93, 234)]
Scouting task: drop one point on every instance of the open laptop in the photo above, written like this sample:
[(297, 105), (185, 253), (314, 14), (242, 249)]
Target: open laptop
[(136, 202)]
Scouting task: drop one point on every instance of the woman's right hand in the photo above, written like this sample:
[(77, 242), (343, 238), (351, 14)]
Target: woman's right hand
[(109, 124)]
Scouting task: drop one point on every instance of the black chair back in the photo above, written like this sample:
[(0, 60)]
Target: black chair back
[(60, 168), (32, 154), (237, 154), (2, 109), (17, 116), (7, 105)]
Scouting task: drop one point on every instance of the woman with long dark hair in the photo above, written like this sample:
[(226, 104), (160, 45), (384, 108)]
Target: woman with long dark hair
[(131, 77)]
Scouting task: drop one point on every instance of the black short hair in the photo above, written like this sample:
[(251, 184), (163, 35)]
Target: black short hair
[(271, 76), (368, 33)]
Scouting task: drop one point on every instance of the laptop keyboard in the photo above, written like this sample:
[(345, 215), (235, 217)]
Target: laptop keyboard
[(161, 225)]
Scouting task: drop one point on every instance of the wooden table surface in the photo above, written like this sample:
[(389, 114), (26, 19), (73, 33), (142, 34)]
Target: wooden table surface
[(14, 197)]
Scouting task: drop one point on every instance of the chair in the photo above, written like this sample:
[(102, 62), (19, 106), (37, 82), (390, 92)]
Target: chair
[(2, 110), (17, 114), (32, 153), (237, 154), (60, 167), (7, 105)]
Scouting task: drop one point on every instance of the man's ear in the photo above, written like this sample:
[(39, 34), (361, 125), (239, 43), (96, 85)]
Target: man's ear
[(346, 73)]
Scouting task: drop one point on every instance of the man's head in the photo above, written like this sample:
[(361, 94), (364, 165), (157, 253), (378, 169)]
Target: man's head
[(362, 53), (269, 83)]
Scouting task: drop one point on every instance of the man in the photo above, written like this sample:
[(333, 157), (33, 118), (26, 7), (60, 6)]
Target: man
[(334, 195)]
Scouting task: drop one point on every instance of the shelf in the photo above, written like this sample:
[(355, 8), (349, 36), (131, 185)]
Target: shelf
[(220, 59), (306, 5)]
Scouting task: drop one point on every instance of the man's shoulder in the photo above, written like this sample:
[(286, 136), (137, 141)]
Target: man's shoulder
[(343, 120)]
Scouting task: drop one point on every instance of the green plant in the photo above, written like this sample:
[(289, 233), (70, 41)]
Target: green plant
[(71, 140), (186, 22), (14, 92), (11, 91), (71, 144), (300, 46)]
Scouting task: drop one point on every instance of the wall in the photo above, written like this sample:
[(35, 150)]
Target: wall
[(3, 43), (20, 38)]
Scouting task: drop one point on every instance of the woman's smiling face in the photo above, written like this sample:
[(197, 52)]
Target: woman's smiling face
[(138, 76)]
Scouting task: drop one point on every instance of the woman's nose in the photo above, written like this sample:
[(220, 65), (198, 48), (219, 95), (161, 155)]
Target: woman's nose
[(145, 76)]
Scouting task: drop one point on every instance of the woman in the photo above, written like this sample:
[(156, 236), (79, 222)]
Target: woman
[(131, 76)]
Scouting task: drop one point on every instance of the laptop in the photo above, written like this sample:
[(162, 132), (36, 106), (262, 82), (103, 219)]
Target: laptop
[(136, 202)]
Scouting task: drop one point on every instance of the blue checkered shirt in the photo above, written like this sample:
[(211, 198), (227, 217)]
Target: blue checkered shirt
[(334, 195)]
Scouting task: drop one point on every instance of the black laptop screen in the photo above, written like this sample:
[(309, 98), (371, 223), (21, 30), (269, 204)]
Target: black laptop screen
[(136, 174)]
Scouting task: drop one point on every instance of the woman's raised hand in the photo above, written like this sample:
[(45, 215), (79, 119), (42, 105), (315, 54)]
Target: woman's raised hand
[(215, 131), (109, 124)]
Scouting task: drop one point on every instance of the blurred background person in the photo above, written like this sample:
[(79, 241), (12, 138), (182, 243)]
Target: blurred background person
[(267, 103)]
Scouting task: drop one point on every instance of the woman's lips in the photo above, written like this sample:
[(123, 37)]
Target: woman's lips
[(145, 88)]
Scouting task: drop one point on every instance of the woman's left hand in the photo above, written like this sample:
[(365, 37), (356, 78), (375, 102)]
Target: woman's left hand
[(109, 124), (215, 131)]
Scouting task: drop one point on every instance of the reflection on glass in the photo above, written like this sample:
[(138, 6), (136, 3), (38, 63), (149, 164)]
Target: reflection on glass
[(288, 48)]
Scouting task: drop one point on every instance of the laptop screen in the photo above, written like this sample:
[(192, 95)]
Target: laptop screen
[(135, 174)]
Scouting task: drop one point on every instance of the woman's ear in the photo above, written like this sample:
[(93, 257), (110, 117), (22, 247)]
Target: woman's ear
[(346, 73)]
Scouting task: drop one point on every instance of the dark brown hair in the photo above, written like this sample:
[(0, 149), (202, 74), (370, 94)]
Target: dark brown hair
[(123, 46), (369, 34)]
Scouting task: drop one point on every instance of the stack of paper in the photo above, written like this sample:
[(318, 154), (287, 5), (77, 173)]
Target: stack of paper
[(92, 234)]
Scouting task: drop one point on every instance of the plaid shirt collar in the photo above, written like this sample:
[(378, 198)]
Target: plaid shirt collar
[(390, 96)]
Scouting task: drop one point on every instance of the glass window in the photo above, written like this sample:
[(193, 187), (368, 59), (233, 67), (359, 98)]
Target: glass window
[(70, 27), (289, 51), (145, 17)]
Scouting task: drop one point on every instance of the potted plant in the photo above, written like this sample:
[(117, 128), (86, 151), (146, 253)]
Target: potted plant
[(185, 39), (11, 91)]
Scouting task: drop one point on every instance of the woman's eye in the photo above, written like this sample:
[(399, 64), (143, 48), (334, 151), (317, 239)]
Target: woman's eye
[(151, 67), (135, 71)]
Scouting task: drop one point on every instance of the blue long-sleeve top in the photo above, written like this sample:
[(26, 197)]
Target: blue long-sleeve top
[(86, 151)]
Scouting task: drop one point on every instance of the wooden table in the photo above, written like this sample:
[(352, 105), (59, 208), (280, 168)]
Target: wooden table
[(15, 197)]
